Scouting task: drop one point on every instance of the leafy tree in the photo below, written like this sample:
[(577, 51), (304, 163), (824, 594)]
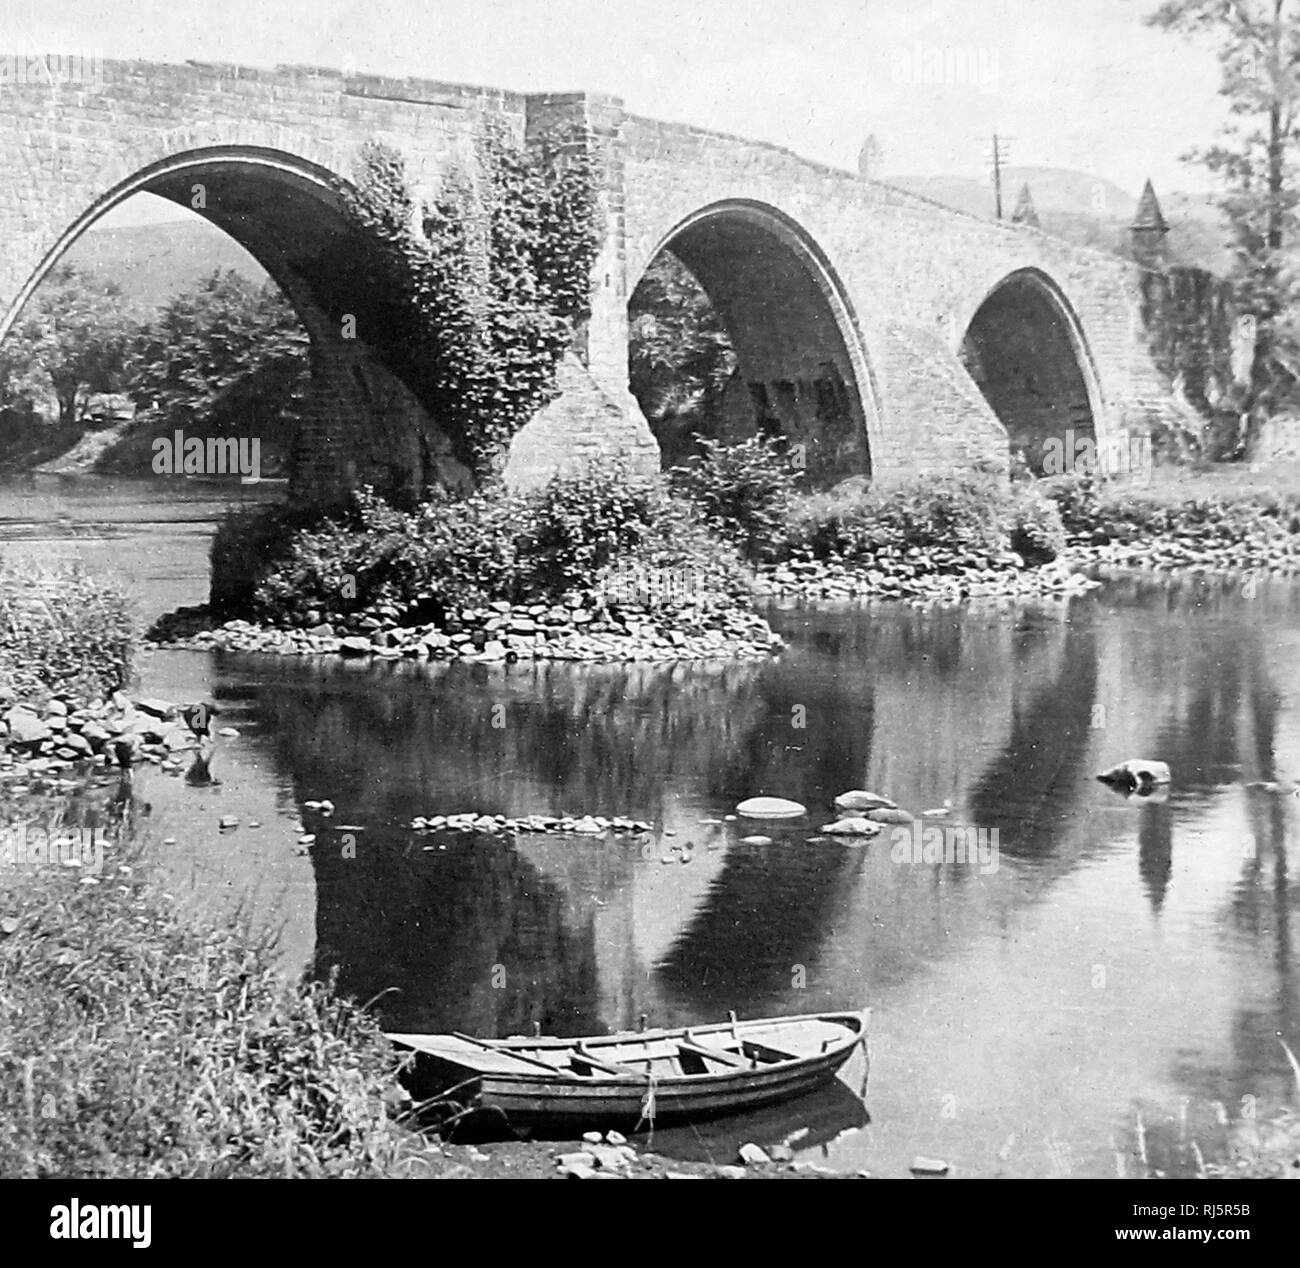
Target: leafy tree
[(219, 345), (1259, 53), (72, 338), (483, 288)]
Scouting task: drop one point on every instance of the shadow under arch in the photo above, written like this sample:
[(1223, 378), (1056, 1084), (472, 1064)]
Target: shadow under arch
[(803, 369), (1026, 351)]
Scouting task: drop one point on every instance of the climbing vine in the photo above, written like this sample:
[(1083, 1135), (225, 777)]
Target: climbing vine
[(482, 289)]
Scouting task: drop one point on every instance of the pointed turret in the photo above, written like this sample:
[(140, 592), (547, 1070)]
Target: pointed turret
[(1024, 213), (1148, 231)]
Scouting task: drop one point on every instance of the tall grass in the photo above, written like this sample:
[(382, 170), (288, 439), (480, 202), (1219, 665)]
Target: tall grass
[(63, 632), (134, 1043)]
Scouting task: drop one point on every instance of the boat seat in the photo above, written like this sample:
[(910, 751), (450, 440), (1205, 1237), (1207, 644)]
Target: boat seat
[(714, 1054), (582, 1057)]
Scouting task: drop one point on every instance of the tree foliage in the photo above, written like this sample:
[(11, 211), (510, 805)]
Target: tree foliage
[(483, 286), (72, 338), (217, 344), (1259, 55), (680, 355)]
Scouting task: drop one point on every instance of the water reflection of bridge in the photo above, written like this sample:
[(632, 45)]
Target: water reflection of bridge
[(1008, 720)]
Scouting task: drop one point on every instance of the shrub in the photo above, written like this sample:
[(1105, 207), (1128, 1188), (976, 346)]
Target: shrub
[(744, 491), (138, 1045), (247, 542), (968, 515), (452, 553), (1037, 533), (63, 632), (577, 524)]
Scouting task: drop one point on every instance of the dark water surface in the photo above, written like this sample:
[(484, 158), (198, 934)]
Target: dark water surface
[(1115, 962)]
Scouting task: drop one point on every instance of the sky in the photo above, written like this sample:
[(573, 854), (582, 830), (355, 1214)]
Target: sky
[(1074, 83)]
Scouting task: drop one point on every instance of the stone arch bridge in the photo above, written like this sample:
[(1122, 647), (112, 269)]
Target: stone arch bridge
[(890, 333)]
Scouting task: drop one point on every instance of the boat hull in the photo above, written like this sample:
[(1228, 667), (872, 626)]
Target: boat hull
[(529, 1099)]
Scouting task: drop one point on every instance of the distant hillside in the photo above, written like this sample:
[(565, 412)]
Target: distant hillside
[(152, 263), (1086, 210)]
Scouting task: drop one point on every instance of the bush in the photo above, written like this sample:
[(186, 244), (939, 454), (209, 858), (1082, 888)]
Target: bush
[(63, 632), (577, 524), (1037, 533), (1094, 512), (963, 515), (453, 553), (246, 543), (745, 491), (138, 1045)]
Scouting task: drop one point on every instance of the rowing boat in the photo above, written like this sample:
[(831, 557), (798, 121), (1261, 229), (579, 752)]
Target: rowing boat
[(636, 1079)]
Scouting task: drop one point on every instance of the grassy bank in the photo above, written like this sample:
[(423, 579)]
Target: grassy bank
[(137, 1043)]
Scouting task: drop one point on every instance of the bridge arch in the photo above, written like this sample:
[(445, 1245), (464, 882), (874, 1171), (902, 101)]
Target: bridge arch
[(362, 424), (1025, 348), (802, 368)]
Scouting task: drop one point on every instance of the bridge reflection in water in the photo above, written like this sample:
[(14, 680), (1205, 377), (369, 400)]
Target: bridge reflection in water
[(1119, 949)]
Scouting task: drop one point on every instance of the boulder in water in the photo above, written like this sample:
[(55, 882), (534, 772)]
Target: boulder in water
[(859, 799), (770, 808), (1138, 773)]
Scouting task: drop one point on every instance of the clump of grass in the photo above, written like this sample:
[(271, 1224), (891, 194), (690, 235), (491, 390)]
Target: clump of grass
[(134, 1043), (63, 632)]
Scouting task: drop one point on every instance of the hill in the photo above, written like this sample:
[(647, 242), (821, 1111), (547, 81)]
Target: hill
[(1086, 210), (151, 263)]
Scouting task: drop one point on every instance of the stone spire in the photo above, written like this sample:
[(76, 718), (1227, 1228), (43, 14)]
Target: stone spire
[(1148, 231), (1024, 213)]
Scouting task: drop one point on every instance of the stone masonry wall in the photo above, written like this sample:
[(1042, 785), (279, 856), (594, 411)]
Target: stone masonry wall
[(901, 277)]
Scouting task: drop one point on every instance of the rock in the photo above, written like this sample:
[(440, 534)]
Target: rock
[(592, 1138), (614, 1138), (229, 732), (9, 926), (758, 840), (732, 1173), (770, 808), (609, 1157), (853, 827), (928, 1167), (588, 827), (780, 1153), (860, 799), (228, 821), (887, 814), (25, 727), (752, 1156), (579, 1158), (1137, 773), (56, 708), (156, 708), (580, 1171), (354, 645)]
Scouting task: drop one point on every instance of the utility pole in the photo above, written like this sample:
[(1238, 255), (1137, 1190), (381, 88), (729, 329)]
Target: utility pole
[(999, 159)]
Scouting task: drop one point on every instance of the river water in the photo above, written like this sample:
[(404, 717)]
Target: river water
[(1110, 978)]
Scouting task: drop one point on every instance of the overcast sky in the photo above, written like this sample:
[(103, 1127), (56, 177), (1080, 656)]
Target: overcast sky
[(1076, 83)]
